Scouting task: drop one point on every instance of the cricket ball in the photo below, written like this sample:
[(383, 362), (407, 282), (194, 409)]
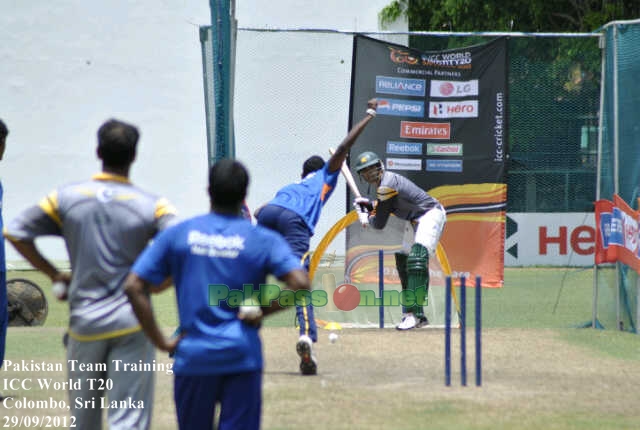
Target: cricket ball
[(59, 289)]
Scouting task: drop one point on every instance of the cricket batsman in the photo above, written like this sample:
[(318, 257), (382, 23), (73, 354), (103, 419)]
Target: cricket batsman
[(399, 196)]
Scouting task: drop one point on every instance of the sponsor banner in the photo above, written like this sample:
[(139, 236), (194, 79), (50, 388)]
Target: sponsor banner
[(617, 235), (400, 86), (444, 149), (550, 239), (444, 166), (461, 109), (404, 148), (404, 164), (397, 107), (425, 130), (467, 90), (453, 88)]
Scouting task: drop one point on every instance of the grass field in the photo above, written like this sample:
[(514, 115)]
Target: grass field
[(539, 371)]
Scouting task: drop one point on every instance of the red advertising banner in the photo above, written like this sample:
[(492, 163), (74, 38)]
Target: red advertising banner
[(617, 233)]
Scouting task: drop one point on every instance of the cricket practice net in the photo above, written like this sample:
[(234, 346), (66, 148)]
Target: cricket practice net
[(291, 100)]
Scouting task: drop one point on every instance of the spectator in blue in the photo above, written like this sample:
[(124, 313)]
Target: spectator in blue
[(218, 354)]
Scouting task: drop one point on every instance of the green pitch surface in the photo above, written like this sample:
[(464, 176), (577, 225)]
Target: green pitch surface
[(539, 372)]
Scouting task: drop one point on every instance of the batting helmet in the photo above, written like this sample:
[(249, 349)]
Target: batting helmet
[(367, 159)]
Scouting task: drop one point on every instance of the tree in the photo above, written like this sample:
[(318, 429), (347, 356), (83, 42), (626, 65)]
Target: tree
[(509, 15)]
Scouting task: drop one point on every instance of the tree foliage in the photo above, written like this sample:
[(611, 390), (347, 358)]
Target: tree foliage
[(510, 15)]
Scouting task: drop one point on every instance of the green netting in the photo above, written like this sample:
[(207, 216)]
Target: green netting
[(554, 99), (620, 161), (554, 95), (554, 102)]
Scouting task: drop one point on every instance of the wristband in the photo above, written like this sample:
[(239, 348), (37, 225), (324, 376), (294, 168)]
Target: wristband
[(371, 112)]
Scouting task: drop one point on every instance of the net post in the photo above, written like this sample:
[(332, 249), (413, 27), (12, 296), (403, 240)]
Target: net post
[(447, 332), (463, 331), (381, 285), (478, 309)]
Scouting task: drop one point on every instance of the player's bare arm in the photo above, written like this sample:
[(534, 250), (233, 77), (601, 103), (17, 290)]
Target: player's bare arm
[(137, 290), (342, 150), (295, 280), (31, 253), (166, 284)]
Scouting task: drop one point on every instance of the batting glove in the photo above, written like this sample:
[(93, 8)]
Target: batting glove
[(363, 204)]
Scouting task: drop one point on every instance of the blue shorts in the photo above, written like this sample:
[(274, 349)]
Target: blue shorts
[(295, 231), (239, 396), (289, 224)]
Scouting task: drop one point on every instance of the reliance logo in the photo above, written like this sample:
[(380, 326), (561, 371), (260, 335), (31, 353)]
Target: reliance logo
[(425, 130), (400, 86)]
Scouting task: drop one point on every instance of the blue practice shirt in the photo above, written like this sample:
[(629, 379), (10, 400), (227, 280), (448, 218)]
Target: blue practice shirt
[(215, 249), (307, 196)]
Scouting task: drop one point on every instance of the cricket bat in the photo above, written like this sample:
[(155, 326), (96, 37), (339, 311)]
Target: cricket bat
[(348, 176)]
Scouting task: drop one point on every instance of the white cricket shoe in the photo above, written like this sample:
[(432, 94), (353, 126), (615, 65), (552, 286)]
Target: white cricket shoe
[(409, 321), (308, 362)]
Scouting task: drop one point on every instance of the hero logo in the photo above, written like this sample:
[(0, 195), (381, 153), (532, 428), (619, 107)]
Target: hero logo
[(454, 88), (395, 107), (425, 130), (400, 86), (462, 109)]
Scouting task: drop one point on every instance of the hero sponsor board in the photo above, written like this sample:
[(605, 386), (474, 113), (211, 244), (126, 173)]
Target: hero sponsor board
[(461, 109), (550, 239)]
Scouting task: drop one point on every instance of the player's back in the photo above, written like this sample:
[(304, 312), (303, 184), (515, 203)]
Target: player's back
[(308, 196), (106, 223), (222, 250), (214, 259)]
